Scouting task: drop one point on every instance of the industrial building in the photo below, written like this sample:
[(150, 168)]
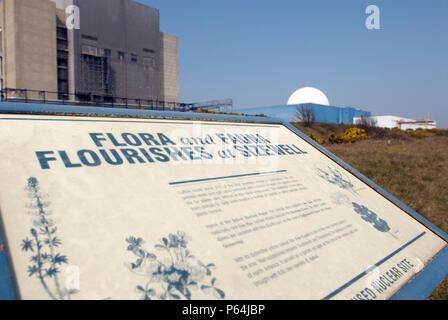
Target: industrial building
[(322, 113), (118, 54), (314, 99), (389, 121)]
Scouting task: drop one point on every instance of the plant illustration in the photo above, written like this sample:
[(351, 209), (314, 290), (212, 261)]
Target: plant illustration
[(334, 176), (176, 275), (44, 244), (371, 217)]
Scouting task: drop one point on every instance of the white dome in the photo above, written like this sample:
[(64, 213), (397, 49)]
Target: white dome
[(309, 95)]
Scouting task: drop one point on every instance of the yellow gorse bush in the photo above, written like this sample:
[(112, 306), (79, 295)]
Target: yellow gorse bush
[(350, 135), (353, 135), (419, 133), (318, 140), (334, 139)]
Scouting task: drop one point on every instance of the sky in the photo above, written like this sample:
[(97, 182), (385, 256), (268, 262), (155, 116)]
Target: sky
[(258, 52)]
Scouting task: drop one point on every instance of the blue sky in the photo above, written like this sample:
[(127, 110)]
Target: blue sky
[(258, 52)]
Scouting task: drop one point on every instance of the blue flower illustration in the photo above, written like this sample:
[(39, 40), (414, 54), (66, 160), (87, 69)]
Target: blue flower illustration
[(147, 293), (174, 277), (371, 217), (46, 262), (335, 177), (218, 293)]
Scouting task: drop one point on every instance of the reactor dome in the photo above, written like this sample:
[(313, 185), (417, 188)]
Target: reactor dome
[(308, 95)]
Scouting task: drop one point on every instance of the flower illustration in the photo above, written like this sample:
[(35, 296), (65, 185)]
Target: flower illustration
[(218, 293), (43, 244), (174, 276)]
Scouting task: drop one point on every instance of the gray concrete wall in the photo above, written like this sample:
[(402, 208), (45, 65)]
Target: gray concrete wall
[(29, 46), (170, 67), (123, 25), (29, 43)]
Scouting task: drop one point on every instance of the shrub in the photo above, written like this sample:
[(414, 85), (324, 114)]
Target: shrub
[(439, 132), (351, 135), (334, 139), (318, 140), (306, 115), (231, 113), (354, 134), (367, 123), (419, 133)]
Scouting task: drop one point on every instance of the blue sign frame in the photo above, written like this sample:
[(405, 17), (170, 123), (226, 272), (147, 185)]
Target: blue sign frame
[(418, 288)]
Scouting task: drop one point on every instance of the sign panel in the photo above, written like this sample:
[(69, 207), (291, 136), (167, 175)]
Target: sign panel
[(99, 208)]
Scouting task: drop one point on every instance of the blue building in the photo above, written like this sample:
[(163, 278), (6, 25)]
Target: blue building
[(322, 113)]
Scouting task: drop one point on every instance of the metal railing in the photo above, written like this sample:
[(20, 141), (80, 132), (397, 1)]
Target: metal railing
[(91, 99)]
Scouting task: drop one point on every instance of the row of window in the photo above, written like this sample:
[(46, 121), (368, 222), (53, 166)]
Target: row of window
[(62, 62), (147, 61), (61, 33)]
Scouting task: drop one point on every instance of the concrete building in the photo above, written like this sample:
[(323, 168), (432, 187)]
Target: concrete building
[(322, 113), (311, 99), (170, 67), (117, 55), (390, 121)]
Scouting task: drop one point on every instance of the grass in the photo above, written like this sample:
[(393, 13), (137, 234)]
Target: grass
[(415, 170)]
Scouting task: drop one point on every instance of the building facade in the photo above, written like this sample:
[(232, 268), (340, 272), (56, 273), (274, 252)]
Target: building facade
[(118, 53), (322, 113), (390, 121)]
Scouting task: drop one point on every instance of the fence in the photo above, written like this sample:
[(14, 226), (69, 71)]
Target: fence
[(89, 99)]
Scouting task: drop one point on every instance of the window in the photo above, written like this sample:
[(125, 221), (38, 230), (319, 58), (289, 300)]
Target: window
[(86, 49), (62, 74), (62, 55), (148, 62), (87, 37), (134, 58), (61, 33), (148, 50), (62, 63), (107, 52), (121, 55), (62, 45)]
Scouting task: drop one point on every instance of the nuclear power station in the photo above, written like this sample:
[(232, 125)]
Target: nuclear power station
[(119, 53), (314, 99), (317, 102)]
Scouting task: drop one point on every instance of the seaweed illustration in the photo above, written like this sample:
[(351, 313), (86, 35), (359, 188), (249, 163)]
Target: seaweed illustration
[(371, 217), (176, 275), (334, 176), (44, 244)]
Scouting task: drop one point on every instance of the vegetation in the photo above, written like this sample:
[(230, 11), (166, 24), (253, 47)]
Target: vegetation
[(412, 165), (367, 123), (305, 114), (350, 135), (228, 113), (413, 168), (318, 140), (343, 133)]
